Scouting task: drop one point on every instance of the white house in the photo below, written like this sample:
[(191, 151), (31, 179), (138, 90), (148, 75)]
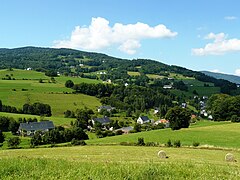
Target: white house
[(167, 87), (108, 108), (143, 120)]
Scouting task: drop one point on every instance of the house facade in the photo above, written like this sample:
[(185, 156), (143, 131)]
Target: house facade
[(143, 120), (30, 128)]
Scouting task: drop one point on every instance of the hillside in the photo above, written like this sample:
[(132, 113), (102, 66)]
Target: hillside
[(228, 77), (100, 66)]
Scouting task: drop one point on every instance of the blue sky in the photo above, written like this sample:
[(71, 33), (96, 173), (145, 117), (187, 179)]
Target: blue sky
[(202, 35)]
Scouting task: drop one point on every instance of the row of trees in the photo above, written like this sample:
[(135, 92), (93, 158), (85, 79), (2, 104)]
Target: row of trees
[(58, 135), (224, 107), (34, 109)]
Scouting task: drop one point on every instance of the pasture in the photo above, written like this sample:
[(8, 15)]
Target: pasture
[(27, 89), (116, 162), (213, 134)]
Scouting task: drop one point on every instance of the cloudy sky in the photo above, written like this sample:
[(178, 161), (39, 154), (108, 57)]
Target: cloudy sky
[(202, 35)]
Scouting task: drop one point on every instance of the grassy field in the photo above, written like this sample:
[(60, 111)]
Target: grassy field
[(132, 73), (18, 92), (116, 162), (56, 120), (221, 134)]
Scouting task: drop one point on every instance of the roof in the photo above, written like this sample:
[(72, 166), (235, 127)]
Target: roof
[(144, 118), (35, 126), (129, 128), (106, 107), (103, 120)]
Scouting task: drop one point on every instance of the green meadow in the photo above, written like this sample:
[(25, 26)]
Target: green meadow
[(27, 89), (116, 162), (212, 134)]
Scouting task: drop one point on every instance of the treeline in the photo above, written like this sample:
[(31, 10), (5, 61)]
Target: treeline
[(58, 135), (34, 109), (131, 98), (98, 90), (224, 107), (8, 124)]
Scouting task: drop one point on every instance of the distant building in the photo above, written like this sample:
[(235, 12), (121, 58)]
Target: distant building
[(105, 120), (162, 121), (167, 87), (125, 130), (108, 108), (184, 105), (30, 128), (143, 120), (156, 110), (29, 69)]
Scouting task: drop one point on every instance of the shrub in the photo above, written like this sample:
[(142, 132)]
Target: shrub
[(235, 118), (196, 144), (14, 142), (76, 142), (177, 143), (169, 143), (141, 142)]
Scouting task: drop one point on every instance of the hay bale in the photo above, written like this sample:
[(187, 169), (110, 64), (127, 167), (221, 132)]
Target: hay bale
[(229, 157), (162, 154)]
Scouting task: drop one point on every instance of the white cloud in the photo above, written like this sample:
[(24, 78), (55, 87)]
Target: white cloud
[(237, 72), (219, 46), (230, 18), (99, 35)]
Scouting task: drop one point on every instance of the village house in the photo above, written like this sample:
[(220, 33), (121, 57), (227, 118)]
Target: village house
[(162, 121), (143, 120), (167, 87), (125, 130), (30, 128), (105, 120), (108, 108)]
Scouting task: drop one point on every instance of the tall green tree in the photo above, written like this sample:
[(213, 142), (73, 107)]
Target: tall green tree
[(178, 117)]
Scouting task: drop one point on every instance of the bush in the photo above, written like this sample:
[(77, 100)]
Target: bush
[(169, 143), (177, 143), (196, 144), (141, 142), (76, 142), (235, 118), (14, 142)]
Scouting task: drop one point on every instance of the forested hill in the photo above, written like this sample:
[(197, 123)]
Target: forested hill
[(231, 78), (79, 63)]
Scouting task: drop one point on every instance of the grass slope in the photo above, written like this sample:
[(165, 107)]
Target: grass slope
[(18, 92), (221, 134), (116, 162)]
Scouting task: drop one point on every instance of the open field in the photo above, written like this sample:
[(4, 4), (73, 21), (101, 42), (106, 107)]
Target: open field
[(18, 92), (132, 73), (56, 120), (217, 135), (116, 162)]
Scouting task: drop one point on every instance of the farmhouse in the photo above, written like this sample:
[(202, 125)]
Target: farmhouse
[(108, 108), (29, 128), (162, 121), (125, 130), (167, 87), (105, 120), (143, 120)]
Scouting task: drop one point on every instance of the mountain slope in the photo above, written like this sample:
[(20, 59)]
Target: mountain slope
[(87, 64), (231, 78)]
